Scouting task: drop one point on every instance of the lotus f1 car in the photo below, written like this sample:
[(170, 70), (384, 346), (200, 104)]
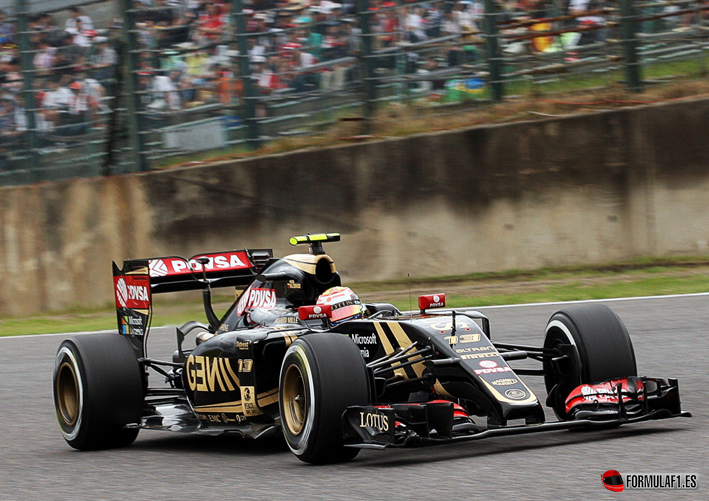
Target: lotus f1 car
[(275, 362)]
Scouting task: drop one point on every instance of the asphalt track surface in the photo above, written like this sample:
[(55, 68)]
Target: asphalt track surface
[(670, 338)]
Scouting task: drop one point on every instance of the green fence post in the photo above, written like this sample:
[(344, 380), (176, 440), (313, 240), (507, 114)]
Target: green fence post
[(250, 95), (370, 85), (129, 67), (27, 66), (494, 59), (629, 42)]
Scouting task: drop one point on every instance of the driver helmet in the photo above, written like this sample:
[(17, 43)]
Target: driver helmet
[(344, 302)]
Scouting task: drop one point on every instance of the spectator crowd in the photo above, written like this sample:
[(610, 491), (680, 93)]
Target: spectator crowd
[(188, 53)]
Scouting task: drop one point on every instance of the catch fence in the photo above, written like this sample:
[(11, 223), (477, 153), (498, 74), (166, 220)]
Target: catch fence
[(121, 86)]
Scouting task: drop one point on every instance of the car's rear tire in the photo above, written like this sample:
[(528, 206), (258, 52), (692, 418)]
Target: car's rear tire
[(321, 375), (98, 389), (601, 350)]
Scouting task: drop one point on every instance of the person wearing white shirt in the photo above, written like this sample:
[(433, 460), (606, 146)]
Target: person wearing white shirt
[(74, 16)]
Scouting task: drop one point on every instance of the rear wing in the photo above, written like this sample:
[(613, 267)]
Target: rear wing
[(138, 279), (221, 269)]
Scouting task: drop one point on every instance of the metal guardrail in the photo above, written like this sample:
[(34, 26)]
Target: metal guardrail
[(180, 82)]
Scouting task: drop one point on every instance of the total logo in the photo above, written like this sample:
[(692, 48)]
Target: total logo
[(488, 364)]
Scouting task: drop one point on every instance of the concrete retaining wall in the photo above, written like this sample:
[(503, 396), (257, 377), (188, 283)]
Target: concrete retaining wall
[(585, 189)]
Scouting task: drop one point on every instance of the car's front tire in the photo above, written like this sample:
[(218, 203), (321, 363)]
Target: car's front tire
[(321, 375), (98, 389), (601, 350)]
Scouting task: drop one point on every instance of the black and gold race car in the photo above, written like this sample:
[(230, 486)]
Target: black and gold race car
[(298, 354)]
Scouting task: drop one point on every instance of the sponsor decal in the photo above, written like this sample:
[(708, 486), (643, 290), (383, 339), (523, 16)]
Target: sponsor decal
[(157, 268), (515, 394), (292, 284), (604, 393), (492, 370), (374, 420), (480, 355), (243, 345), (286, 320), (592, 394), (504, 382), (222, 418), (314, 312), (474, 348), (210, 374), (122, 293), (360, 339), (488, 364), (256, 298), (432, 301), (248, 397), (222, 261), (132, 291), (125, 326)]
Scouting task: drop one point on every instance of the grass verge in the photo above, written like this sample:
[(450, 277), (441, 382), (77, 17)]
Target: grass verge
[(648, 277)]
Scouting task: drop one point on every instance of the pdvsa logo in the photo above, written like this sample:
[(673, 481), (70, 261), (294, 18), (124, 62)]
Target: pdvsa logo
[(613, 481), (122, 292)]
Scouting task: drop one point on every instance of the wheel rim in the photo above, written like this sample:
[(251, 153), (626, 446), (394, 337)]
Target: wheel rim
[(295, 407), (68, 394)]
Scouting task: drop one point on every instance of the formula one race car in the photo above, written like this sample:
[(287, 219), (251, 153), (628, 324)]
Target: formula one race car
[(300, 355)]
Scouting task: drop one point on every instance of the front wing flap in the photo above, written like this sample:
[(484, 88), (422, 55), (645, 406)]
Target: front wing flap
[(624, 398)]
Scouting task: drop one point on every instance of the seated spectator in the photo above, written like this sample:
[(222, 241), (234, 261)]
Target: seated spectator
[(7, 29), (12, 77), (46, 25), (165, 89), (82, 36), (53, 101), (103, 64), (266, 80), (68, 55), (76, 15), (7, 115), (44, 58), (413, 24), (76, 118), (210, 25), (581, 8), (298, 62)]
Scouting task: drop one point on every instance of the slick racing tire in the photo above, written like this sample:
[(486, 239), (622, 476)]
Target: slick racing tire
[(600, 350), (98, 389), (321, 375)]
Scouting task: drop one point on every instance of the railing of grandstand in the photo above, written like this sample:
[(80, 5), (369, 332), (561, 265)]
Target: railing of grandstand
[(120, 86)]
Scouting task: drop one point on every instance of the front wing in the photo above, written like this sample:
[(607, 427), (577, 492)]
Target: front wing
[(636, 399)]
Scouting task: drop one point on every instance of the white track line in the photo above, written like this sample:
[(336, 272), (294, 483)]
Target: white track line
[(67, 334), (551, 303), (580, 301)]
